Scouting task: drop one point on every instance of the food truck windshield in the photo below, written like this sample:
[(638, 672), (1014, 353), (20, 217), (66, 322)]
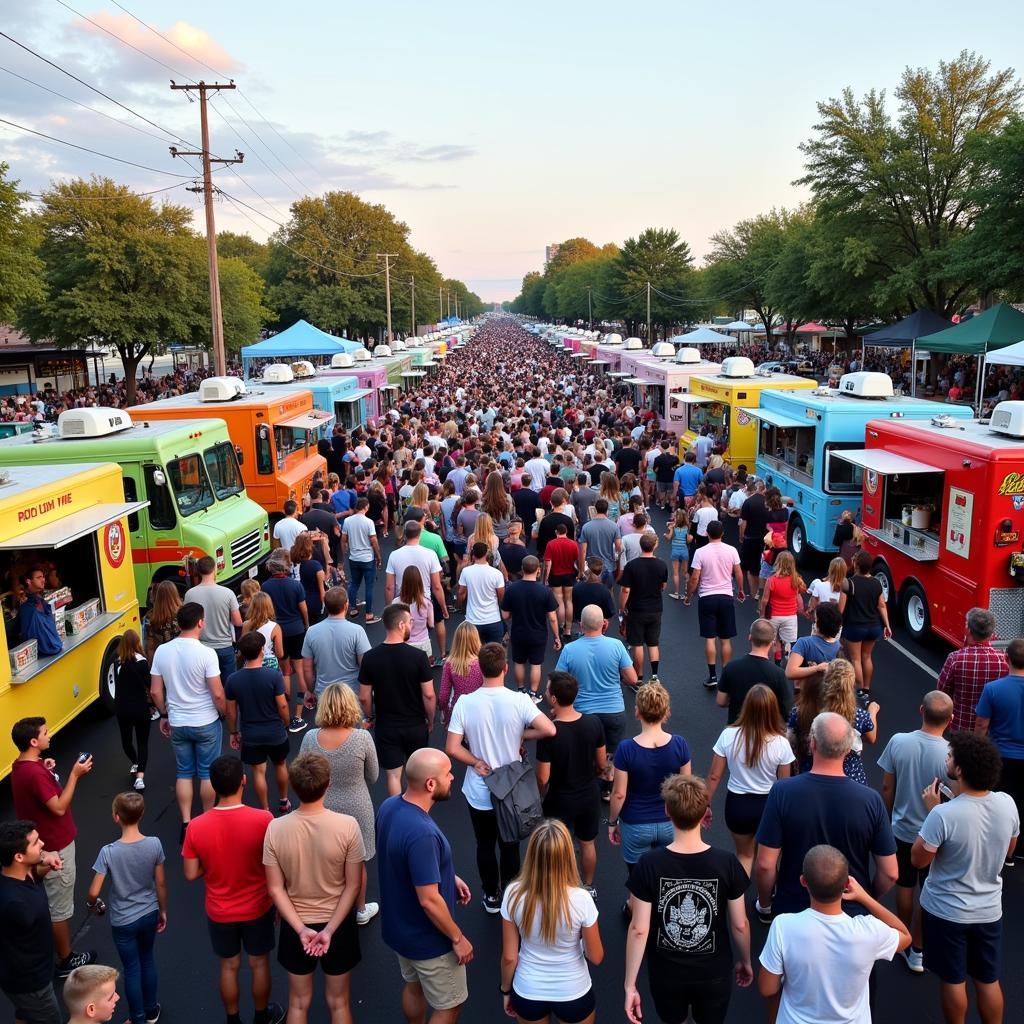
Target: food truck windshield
[(710, 414), (196, 482)]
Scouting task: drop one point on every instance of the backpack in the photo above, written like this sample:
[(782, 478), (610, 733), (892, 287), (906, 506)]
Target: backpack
[(516, 800)]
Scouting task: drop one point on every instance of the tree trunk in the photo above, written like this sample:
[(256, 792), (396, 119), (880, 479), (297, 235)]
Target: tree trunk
[(130, 359)]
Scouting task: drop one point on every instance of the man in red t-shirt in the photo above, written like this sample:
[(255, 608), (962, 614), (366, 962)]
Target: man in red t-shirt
[(225, 846), (39, 797), (561, 568)]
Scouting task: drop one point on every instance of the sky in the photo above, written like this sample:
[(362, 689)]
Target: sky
[(490, 129)]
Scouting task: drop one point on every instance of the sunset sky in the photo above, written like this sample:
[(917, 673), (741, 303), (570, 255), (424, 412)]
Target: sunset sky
[(490, 129)]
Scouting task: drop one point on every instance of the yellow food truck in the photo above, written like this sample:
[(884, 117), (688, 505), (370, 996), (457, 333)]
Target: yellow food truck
[(717, 404), (61, 520)]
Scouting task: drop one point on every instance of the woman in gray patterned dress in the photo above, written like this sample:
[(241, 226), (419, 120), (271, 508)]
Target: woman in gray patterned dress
[(349, 749)]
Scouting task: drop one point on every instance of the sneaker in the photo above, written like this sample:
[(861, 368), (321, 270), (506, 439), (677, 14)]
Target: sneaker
[(276, 1013), (655, 678), (535, 696), (152, 1016), (297, 724), (763, 915), (140, 785), (1008, 863), (522, 689), (914, 959), (591, 889), (154, 715), (367, 914), (492, 904), (73, 960), (284, 806), (711, 684), (133, 769)]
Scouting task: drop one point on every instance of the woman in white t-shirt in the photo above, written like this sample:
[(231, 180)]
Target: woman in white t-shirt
[(828, 588), (549, 932), (757, 753)]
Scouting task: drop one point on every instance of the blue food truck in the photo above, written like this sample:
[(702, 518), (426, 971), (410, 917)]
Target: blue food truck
[(340, 397), (800, 432)]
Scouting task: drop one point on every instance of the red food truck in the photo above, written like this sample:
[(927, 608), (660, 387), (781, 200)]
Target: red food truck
[(943, 518)]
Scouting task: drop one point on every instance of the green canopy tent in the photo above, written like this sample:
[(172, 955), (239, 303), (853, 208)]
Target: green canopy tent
[(994, 329)]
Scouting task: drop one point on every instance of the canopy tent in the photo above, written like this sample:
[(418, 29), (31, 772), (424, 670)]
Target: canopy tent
[(1012, 355), (737, 325), (298, 341), (702, 336), (906, 332)]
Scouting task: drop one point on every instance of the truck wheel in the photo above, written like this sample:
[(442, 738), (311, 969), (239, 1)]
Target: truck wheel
[(883, 574), (107, 680), (916, 615), (798, 540)]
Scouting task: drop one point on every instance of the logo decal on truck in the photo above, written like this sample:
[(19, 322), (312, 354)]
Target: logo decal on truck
[(114, 546), (1013, 483)]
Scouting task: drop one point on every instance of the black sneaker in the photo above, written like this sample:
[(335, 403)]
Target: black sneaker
[(711, 683), (276, 1013), (73, 960), (152, 1016), (764, 916), (297, 724), (492, 904)]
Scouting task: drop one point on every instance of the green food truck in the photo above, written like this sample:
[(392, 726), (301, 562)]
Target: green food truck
[(188, 472)]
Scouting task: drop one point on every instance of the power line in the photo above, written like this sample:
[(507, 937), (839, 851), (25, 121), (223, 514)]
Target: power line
[(89, 199)]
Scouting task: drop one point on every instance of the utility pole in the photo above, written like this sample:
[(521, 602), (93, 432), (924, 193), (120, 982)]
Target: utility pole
[(412, 292), (216, 318), (448, 296), (456, 305), (590, 312), (440, 303), (387, 257), (648, 313)]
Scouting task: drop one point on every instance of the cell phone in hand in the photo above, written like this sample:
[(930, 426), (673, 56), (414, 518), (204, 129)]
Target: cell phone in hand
[(83, 757), (945, 792)]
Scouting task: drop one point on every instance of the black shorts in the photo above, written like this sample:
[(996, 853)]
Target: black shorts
[(750, 554), (566, 579), (342, 955), (293, 646), (717, 616), (643, 628), (438, 613), (527, 652), (708, 999), (580, 813), (38, 1007), (257, 753), (570, 1011), (743, 812), (954, 952), (395, 743), (909, 877), (256, 937)]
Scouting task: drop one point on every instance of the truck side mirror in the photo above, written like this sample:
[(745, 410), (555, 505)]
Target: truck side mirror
[(238, 454), (159, 478)]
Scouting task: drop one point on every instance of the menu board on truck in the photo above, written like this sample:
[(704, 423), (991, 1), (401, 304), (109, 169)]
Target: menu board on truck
[(958, 521)]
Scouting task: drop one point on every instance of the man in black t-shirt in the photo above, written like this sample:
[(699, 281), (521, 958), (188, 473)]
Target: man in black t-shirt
[(568, 766), (753, 526), (642, 585), (590, 590), (664, 472), (549, 524), (320, 516), (396, 691), (627, 459), (530, 609), (741, 675), (692, 897), (526, 501)]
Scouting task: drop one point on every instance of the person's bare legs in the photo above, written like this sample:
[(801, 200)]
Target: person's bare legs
[(414, 1006), (853, 649), (519, 674), (394, 781), (710, 651), (675, 576), (559, 608), (990, 1002), (206, 794), (754, 585), (588, 860), (867, 666), (259, 966), (654, 653), (638, 662), (726, 651), (62, 939), (229, 968), (535, 678), (908, 913), (259, 783), (442, 638), (281, 774), (567, 601), (184, 793), (300, 680), (285, 667), (361, 898), (336, 992), (953, 999), (746, 848), (300, 995)]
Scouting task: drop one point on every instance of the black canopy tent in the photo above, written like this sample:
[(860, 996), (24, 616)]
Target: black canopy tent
[(904, 334)]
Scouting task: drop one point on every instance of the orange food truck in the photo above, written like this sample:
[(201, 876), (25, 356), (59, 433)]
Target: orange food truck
[(943, 518), (275, 434)]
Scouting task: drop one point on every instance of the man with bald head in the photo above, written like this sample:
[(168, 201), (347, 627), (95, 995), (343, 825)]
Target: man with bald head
[(419, 890), (911, 762), (822, 806)]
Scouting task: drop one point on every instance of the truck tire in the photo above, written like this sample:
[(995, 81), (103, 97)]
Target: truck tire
[(107, 683), (883, 574), (797, 540), (916, 615)]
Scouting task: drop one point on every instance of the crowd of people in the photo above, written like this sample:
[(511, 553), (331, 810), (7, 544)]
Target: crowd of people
[(519, 492)]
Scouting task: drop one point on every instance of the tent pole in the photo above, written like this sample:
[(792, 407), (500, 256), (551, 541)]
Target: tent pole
[(981, 381), (913, 367)]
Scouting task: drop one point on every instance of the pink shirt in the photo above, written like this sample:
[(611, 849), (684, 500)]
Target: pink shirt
[(716, 562)]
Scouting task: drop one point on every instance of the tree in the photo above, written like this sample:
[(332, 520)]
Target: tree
[(241, 300), (20, 268), (572, 250), (117, 269), (912, 180), (255, 254), (657, 256)]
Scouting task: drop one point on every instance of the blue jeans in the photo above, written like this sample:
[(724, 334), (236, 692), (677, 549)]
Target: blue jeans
[(134, 944), (361, 572), (195, 748), (638, 839), (491, 632), (226, 660)]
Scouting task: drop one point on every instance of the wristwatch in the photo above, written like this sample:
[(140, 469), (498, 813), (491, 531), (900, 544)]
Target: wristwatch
[(504, 991)]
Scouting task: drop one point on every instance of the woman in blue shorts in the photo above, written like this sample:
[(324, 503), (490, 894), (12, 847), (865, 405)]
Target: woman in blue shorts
[(679, 554)]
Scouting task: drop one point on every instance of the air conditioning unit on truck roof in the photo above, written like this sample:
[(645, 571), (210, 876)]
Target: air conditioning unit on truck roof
[(342, 361), (633, 344), (278, 373), (1008, 418), (221, 389), (737, 366), (866, 385), (96, 422), (689, 355)]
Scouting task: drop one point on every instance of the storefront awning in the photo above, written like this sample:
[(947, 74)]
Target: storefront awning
[(886, 463), (388, 387), (640, 380), (414, 373), (307, 421), (687, 399), (580, 355), (620, 374), (599, 362), (71, 527), (354, 396), (778, 419)]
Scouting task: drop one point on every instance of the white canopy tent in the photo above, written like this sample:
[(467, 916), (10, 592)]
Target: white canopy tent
[(702, 336)]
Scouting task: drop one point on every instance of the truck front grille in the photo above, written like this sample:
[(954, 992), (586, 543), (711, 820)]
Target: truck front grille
[(245, 548)]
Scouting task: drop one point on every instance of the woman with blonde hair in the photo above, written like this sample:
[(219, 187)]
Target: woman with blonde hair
[(132, 704), (780, 602), (497, 504), (549, 931), (161, 622), (837, 693), (828, 588), (756, 752), (611, 493), (261, 620), (247, 590), (461, 673), (421, 608), (483, 530), (349, 750)]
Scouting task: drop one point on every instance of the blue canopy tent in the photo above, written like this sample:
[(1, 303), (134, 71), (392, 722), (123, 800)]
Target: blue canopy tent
[(701, 336), (299, 341)]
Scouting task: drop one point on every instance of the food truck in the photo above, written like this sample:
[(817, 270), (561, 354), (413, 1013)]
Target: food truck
[(302, 375), (275, 434), (722, 403), (608, 353), (800, 433), (185, 472), (661, 372), (71, 523), (380, 377), (943, 518)]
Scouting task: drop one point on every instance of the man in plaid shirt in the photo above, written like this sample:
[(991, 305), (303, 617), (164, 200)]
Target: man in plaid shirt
[(967, 670)]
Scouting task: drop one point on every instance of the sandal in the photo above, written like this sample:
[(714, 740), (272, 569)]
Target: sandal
[(371, 619)]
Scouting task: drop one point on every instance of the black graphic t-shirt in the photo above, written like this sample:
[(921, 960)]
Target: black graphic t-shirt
[(689, 895)]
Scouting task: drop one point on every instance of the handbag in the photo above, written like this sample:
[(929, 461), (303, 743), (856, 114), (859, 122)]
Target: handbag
[(516, 800)]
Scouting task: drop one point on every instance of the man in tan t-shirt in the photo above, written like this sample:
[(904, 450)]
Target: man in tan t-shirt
[(314, 860)]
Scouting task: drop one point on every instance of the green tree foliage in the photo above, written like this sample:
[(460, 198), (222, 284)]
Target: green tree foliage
[(241, 300), (255, 254), (657, 256), (20, 268), (909, 182)]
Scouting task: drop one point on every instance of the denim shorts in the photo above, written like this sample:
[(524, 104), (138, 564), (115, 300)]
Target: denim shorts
[(638, 839), (196, 747)]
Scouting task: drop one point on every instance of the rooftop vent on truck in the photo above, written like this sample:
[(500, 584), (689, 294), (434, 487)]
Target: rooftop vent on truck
[(342, 361), (98, 422), (633, 344), (221, 389), (1008, 418), (278, 373), (303, 368), (737, 366), (689, 355), (866, 385)]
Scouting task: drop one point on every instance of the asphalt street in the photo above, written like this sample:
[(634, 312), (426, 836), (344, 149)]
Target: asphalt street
[(188, 972)]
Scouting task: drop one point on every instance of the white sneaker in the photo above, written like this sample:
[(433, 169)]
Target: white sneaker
[(140, 784), (914, 960), (366, 915)]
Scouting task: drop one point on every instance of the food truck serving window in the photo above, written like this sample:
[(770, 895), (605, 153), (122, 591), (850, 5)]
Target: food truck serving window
[(288, 440), (789, 448), (190, 484), (714, 415), (841, 476), (222, 465)]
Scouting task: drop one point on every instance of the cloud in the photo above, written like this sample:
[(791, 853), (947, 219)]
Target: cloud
[(441, 153)]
